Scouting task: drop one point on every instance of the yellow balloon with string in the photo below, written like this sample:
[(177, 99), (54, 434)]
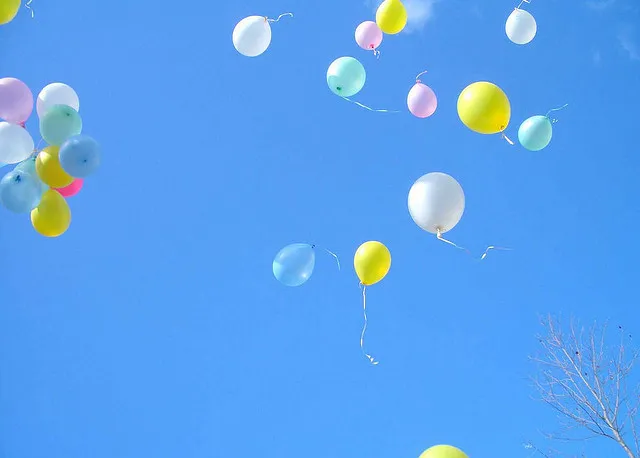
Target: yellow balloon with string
[(52, 217), (8, 10), (484, 108), (391, 16)]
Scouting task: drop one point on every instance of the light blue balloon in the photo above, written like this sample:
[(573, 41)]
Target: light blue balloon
[(80, 156), (346, 76), (59, 123), (293, 265), (19, 192), (29, 166), (535, 133)]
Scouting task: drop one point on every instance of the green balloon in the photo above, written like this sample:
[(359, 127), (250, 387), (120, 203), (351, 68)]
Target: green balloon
[(346, 76), (59, 123)]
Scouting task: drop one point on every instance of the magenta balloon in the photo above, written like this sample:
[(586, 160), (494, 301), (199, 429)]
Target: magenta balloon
[(368, 35), (16, 101), (72, 189), (422, 101)]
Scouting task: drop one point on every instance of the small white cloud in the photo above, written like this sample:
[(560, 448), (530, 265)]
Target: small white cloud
[(597, 58), (629, 45), (600, 5)]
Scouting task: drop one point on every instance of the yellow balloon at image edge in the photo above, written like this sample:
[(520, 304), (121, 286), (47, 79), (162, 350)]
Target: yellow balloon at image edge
[(50, 170), (443, 451), (8, 10), (372, 262), (52, 217), (484, 108), (391, 17)]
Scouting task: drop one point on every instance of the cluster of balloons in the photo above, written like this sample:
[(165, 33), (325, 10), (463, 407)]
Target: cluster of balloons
[(42, 180)]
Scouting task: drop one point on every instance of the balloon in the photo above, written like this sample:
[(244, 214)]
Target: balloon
[(436, 202), (19, 192), (71, 190), (80, 156), (49, 169), (16, 143), (59, 123), (52, 217), (391, 16), (252, 36), (56, 94), (535, 133), (521, 27), (443, 451), (368, 35), (372, 262), (29, 166), (346, 76), (422, 101), (8, 10), (293, 265), (484, 108), (16, 100)]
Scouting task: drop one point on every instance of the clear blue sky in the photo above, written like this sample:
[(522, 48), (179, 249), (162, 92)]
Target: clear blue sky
[(155, 328)]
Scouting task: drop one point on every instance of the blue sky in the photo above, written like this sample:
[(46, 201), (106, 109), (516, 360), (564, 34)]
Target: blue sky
[(154, 327)]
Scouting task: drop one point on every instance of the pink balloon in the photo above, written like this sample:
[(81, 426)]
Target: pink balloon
[(422, 101), (368, 35), (71, 190), (16, 101)]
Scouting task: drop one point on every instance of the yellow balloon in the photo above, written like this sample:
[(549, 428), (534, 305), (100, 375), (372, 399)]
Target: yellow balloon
[(8, 10), (52, 217), (443, 451), (484, 108), (49, 169), (391, 16), (372, 262)]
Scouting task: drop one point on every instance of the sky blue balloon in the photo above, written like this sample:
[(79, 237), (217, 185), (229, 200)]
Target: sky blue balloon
[(29, 166), (19, 192), (535, 133), (346, 76), (59, 123), (293, 265), (80, 156)]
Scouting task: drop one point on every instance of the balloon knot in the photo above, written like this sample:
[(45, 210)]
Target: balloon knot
[(338, 88)]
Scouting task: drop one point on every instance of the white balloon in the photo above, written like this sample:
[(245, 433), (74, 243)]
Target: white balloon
[(56, 94), (436, 202), (252, 36), (521, 27), (16, 143)]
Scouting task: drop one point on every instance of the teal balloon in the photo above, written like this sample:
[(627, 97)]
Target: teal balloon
[(346, 76), (59, 123), (294, 264), (29, 166), (535, 133), (19, 192)]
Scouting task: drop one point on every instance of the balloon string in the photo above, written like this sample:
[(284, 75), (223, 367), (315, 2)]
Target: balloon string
[(507, 139), (418, 77), (364, 328), (522, 3), (332, 254), (484, 255), (556, 109), (28, 6), (368, 108), (376, 53), (279, 17)]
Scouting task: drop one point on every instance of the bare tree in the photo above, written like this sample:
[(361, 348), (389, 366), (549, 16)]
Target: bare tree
[(588, 383)]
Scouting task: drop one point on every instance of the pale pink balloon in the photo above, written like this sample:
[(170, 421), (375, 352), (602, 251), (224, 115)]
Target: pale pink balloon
[(16, 101), (71, 190), (422, 101), (368, 35)]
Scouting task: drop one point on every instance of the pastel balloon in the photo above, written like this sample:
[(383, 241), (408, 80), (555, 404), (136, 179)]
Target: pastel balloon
[(252, 36), (443, 451), (391, 16), (535, 133), (52, 217), (422, 101), (29, 166), (56, 94), (59, 123), (372, 262), (16, 100), (49, 169), (80, 156), (19, 192), (8, 10), (346, 76), (368, 35), (16, 143), (436, 202), (484, 108), (294, 264), (74, 188), (521, 27)]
